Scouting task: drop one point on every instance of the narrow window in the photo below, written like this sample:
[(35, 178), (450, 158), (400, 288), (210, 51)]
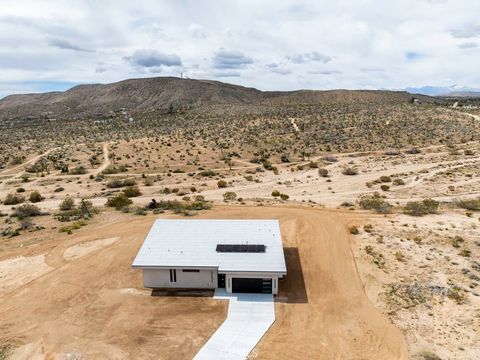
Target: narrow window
[(191, 270), (173, 275)]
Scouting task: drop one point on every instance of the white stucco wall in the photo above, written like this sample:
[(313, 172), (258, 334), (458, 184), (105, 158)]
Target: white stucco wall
[(160, 278)]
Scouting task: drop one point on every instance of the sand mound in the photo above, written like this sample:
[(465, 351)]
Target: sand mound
[(79, 250), (18, 271)]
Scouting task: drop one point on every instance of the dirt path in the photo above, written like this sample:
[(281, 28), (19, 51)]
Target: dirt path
[(106, 160), (95, 305)]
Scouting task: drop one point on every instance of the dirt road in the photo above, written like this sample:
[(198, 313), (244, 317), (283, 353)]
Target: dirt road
[(95, 305)]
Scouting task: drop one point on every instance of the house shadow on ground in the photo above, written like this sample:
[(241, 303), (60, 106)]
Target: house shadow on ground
[(182, 292), (292, 288)]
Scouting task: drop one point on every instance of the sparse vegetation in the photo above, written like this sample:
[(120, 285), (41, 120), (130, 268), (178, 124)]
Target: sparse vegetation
[(421, 208)]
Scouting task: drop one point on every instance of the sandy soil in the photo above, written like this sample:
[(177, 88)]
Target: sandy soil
[(17, 271), (79, 250), (95, 305), (415, 270)]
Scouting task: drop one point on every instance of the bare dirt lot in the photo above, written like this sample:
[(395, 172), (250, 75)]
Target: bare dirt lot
[(95, 305)]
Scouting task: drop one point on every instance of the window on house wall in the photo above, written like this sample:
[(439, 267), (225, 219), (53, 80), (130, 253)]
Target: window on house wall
[(173, 275), (191, 270)]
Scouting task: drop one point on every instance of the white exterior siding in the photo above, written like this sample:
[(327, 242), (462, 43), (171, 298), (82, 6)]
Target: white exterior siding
[(160, 278)]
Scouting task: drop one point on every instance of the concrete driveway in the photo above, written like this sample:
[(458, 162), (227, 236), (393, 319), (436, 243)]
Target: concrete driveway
[(249, 317)]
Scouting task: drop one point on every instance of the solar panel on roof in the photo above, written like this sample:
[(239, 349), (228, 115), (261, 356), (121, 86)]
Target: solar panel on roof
[(240, 248)]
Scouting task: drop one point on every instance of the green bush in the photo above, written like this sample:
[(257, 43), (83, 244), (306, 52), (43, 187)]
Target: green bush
[(275, 193), (67, 204), (119, 201), (284, 196), (132, 191), (35, 197)]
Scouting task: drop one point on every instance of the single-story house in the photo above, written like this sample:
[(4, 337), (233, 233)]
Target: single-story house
[(238, 255)]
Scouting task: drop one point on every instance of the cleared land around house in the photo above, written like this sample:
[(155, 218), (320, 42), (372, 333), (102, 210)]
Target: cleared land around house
[(95, 304)]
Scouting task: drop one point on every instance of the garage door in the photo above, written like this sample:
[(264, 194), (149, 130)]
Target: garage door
[(249, 285)]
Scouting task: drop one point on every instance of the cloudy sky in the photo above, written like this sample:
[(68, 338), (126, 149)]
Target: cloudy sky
[(271, 45)]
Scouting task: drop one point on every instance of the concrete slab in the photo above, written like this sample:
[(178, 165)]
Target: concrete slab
[(249, 317)]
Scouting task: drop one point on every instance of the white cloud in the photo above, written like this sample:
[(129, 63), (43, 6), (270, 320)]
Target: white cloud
[(271, 45)]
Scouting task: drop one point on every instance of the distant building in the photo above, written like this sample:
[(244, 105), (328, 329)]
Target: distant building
[(238, 255)]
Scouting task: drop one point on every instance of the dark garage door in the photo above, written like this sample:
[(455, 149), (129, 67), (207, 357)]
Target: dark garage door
[(248, 285)]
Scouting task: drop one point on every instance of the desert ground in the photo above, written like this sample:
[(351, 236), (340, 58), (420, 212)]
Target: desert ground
[(378, 205), (90, 303)]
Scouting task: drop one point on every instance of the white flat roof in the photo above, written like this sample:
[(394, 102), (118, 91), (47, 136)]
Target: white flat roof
[(192, 243)]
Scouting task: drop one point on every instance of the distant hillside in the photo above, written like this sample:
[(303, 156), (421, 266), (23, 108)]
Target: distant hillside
[(161, 92)]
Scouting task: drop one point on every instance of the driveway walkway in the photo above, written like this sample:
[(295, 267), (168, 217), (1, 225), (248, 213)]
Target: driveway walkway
[(249, 318)]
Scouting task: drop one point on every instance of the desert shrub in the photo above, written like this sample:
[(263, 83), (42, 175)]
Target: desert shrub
[(385, 179), (112, 169), (312, 165), (420, 208), (375, 202), (284, 196), (222, 184), (13, 199), (455, 293), (208, 173), (275, 193), (353, 230), (118, 201), (428, 355), (67, 204), (20, 190), (229, 196), (399, 182), (117, 183), (457, 240), (35, 197), (78, 170), (179, 207), (349, 171), (132, 191), (469, 204), (26, 210), (323, 172), (385, 187), (84, 210), (70, 228), (469, 152)]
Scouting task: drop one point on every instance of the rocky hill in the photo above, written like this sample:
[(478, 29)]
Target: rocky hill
[(162, 92)]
